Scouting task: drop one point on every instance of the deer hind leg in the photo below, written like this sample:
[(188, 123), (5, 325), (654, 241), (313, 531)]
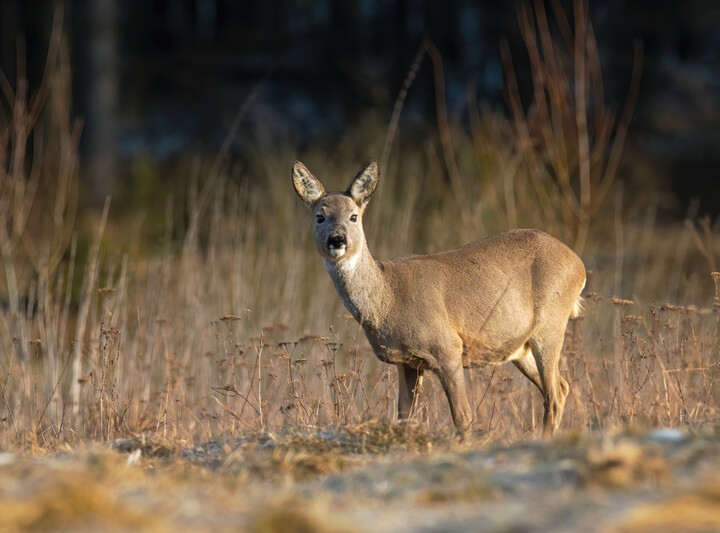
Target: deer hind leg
[(526, 364), (409, 384), (546, 347)]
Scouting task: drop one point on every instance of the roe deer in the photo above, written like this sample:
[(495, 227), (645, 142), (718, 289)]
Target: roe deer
[(505, 298)]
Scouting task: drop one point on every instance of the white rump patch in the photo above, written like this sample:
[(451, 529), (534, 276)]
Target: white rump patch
[(578, 306)]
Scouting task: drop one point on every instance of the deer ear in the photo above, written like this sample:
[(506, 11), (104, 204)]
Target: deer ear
[(308, 187), (364, 184)]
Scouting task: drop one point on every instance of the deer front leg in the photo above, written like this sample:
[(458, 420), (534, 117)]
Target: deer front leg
[(452, 379), (409, 384)]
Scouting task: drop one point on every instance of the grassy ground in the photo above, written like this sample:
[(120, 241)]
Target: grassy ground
[(370, 478)]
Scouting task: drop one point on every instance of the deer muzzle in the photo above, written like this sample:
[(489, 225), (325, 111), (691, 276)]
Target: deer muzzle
[(337, 244)]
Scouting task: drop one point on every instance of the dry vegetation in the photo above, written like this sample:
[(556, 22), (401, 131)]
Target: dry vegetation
[(231, 329), (664, 480)]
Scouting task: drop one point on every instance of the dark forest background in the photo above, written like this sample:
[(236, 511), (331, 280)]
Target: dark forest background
[(154, 80)]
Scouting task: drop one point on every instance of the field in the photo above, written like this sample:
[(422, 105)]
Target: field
[(182, 360), (370, 478)]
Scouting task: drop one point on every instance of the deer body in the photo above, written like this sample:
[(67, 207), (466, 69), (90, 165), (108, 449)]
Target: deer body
[(505, 298)]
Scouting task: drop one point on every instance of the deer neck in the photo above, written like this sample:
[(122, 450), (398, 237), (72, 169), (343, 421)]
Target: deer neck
[(362, 286)]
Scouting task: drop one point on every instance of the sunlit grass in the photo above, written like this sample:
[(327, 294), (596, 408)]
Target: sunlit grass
[(225, 322)]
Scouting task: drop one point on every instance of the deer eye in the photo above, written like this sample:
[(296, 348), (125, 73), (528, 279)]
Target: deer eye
[(353, 218), (320, 219)]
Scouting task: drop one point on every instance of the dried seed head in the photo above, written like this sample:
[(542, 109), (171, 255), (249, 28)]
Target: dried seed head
[(632, 319), (103, 290), (333, 346), (620, 302)]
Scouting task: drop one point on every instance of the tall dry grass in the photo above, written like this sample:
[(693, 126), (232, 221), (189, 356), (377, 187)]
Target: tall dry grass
[(233, 325)]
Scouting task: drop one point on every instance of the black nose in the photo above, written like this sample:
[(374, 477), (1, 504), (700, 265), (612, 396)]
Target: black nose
[(336, 241)]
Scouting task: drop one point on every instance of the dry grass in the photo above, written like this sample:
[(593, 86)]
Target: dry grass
[(231, 325), (698, 511), (627, 481), (219, 360)]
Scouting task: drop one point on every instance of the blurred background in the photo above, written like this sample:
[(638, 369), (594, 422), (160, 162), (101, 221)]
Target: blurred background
[(156, 80)]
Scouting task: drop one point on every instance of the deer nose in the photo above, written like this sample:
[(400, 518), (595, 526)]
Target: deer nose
[(337, 241)]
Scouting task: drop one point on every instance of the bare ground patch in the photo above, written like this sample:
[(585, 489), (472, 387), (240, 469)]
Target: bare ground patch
[(370, 479)]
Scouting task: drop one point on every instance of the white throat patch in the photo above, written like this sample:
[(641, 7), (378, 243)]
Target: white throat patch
[(345, 266)]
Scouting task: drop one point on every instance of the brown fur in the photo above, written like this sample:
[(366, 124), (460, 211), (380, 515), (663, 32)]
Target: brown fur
[(505, 298)]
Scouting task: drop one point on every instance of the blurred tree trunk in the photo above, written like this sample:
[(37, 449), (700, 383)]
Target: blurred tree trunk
[(101, 93), (343, 53), (9, 21)]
